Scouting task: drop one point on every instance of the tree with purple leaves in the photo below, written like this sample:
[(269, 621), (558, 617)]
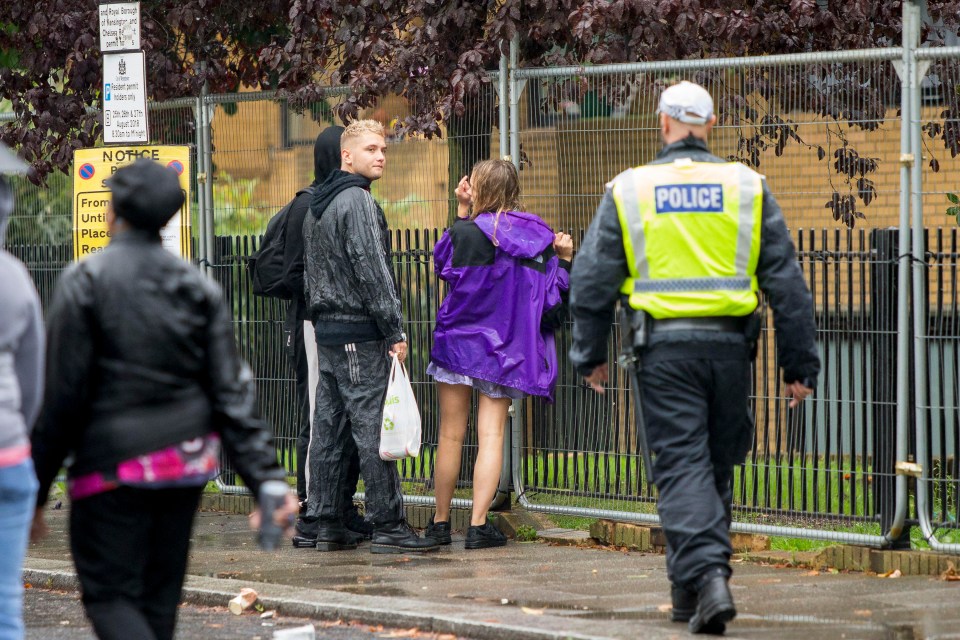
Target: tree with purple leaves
[(435, 53)]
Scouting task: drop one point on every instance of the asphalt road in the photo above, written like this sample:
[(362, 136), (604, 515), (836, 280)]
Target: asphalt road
[(54, 615)]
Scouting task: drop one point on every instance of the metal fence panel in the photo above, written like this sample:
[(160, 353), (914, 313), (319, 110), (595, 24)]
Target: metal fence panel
[(937, 389), (825, 132), (262, 153)]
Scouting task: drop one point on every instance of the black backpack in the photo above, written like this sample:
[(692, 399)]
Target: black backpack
[(266, 265)]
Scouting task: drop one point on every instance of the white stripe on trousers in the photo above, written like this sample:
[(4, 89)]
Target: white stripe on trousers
[(313, 379)]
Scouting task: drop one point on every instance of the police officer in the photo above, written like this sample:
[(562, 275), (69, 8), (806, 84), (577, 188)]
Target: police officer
[(684, 244)]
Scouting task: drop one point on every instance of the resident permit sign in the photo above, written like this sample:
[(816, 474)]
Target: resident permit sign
[(90, 195), (120, 26), (124, 98)]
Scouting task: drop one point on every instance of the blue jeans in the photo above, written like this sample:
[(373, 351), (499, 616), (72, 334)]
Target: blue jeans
[(18, 500)]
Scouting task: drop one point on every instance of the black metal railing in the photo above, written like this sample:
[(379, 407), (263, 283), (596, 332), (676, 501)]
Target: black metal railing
[(831, 461)]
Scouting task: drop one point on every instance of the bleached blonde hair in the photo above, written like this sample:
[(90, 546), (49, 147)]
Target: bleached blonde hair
[(359, 127)]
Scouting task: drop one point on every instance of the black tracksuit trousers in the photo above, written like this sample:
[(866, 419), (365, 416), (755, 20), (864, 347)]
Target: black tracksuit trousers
[(296, 352), (353, 383), (699, 427)]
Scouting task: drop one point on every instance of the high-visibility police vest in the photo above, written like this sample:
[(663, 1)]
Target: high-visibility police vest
[(691, 231)]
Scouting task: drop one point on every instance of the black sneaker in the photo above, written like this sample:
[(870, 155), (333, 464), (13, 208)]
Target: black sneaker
[(439, 531), (336, 537), (400, 538), (356, 523), (484, 537), (684, 603)]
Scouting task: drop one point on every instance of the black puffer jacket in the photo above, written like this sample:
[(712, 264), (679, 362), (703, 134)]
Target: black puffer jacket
[(601, 268), (142, 356), (349, 286)]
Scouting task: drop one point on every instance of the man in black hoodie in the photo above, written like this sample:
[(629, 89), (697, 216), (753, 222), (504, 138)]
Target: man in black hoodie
[(356, 315), (299, 340)]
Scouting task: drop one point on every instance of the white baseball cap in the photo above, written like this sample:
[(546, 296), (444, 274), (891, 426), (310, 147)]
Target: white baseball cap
[(687, 102)]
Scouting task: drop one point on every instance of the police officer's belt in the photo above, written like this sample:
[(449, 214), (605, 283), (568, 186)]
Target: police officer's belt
[(727, 323)]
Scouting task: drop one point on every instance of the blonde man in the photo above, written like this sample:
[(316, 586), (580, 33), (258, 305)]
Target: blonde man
[(355, 311)]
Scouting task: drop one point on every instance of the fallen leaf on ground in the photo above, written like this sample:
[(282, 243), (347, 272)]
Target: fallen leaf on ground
[(532, 612), (895, 573), (863, 613), (950, 574), (812, 573)]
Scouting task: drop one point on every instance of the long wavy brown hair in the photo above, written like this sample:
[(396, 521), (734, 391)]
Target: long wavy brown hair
[(496, 187)]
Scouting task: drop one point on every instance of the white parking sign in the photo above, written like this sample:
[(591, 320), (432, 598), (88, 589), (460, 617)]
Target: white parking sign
[(124, 98)]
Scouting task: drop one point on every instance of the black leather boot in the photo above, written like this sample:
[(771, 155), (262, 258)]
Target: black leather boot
[(356, 523), (714, 603), (305, 534), (400, 538), (684, 603), (336, 537)]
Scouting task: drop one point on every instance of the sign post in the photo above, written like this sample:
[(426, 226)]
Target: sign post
[(124, 122)]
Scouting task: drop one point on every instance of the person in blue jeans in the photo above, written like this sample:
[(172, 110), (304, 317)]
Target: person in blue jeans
[(21, 390)]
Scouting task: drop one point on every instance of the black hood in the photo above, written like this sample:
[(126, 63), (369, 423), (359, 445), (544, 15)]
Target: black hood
[(336, 182), (326, 153)]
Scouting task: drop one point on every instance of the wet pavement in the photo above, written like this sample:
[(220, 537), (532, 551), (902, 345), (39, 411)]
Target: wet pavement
[(56, 615), (536, 590)]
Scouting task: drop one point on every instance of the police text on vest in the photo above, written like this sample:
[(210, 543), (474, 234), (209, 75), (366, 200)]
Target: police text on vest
[(689, 198)]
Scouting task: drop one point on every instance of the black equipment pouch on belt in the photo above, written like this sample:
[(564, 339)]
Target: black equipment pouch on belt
[(635, 325)]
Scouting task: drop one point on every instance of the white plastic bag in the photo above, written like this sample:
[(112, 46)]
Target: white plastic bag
[(400, 427)]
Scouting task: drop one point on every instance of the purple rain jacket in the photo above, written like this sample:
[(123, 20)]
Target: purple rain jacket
[(497, 320)]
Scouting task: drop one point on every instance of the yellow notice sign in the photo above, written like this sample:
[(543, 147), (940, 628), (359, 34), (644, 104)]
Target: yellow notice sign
[(90, 196)]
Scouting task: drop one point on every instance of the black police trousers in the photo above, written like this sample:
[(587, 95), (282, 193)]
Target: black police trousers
[(699, 426), (349, 409)]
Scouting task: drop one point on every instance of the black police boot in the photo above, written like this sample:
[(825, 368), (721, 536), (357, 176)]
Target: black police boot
[(336, 537), (684, 603), (356, 523), (715, 603), (438, 531), (400, 538)]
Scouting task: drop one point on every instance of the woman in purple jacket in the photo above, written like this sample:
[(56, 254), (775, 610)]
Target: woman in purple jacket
[(506, 272)]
